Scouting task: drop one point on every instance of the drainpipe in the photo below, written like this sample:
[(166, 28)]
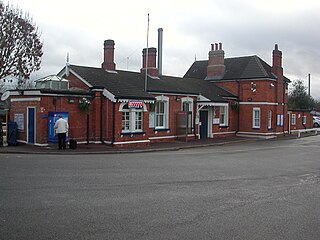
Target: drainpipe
[(101, 138), (239, 99), (113, 122), (283, 108)]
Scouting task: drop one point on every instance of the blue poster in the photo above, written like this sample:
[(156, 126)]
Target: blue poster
[(52, 118)]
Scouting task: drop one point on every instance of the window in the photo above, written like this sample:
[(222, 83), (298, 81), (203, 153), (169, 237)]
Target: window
[(187, 106), (304, 120), (223, 116), (269, 119), (132, 119), (138, 120), (279, 119), (293, 119), (256, 118), (162, 112), (125, 119)]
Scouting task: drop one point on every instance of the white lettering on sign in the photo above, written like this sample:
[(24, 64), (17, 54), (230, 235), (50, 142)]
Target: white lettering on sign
[(135, 104)]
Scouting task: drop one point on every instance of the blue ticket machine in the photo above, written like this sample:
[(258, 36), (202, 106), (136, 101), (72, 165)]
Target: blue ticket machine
[(52, 118)]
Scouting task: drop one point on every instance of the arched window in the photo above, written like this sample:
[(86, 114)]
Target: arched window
[(162, 112), (187, 106), (132, 118)]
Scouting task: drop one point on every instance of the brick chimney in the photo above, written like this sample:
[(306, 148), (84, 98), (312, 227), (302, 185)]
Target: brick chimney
[(108, 63), (277, 62), (151, 64), (216, 67)]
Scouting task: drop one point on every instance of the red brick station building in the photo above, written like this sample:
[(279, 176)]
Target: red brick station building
[(218, 97)]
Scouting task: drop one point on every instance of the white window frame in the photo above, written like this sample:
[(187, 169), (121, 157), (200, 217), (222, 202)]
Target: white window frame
[(224, 116), (133, 114), (304, 120), (125, 120), (165, 101), (188, 100), (256, 118), (270, 119), (293, 119)]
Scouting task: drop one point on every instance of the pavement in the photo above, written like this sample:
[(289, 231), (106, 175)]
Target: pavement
[(159, 146)]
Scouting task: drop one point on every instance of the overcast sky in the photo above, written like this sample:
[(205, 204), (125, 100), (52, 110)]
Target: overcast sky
[(245, 27)]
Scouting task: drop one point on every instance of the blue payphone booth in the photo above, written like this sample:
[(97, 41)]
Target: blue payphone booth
[(52, 118)]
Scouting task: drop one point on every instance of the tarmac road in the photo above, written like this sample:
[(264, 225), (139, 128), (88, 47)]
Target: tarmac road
[(251, 190)]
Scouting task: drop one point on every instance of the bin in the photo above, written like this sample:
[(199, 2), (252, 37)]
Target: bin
[(12, 133)]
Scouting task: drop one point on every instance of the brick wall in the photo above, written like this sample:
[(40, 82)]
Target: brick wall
[(299, 120)]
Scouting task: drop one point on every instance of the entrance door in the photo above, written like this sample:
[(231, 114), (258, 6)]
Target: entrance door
[(31, 125), (204, 124)]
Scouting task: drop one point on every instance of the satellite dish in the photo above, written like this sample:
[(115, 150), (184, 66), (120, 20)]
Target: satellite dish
[(5, 96)]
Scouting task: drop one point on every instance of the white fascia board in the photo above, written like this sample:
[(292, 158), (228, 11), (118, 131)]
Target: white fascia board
[(82, 79), (259, 103), (25, 99), (202, 98), (214, 104), (77, 75), (35, 92), (125, 100), (109, 95), (14, 93)]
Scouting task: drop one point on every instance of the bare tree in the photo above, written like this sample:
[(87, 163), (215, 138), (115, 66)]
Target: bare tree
[(20, 44)]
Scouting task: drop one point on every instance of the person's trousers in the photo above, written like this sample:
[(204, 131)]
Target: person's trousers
[(62, 140)]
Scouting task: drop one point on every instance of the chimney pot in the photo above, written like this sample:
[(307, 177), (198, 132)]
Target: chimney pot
[(216, 67), (149, 61), (108, 63)]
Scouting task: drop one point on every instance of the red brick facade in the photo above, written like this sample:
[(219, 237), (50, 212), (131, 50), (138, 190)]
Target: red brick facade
[(259, 109)]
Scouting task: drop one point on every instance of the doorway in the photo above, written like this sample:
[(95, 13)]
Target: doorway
[(204, 124)]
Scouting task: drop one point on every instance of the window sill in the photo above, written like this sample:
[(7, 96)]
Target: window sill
[(161, 129), (132, 133), (223, 126)]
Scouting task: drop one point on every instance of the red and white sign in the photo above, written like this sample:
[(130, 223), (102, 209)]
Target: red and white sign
[(135, 104)]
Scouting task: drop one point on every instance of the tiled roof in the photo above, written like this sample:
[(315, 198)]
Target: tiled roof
[(125, 84), (122, 84), (189, 86), (249, 67)]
